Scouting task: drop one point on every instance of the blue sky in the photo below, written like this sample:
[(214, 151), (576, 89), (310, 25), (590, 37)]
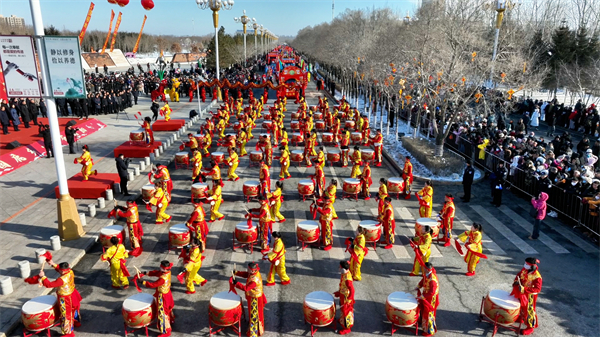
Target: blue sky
[(174, 17)]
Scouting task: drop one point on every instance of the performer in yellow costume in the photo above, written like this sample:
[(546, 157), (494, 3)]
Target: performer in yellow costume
[(116, 255), (275, 200), (166, 111), (192, 260), (173, 93), (215, 199), (358, 250), (196, 166), (357, 160), (382, 194), (447, 218), (473, 245), (87, 163), (233, 162), (161, 200), (206, 143), (277, 259), (284, 161), (241, 141), (330, 193), (425, 197), (423, 248)]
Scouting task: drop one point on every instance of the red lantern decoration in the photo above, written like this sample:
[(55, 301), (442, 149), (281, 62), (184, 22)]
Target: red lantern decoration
[(148, 4), (123, 3), (114, 2)]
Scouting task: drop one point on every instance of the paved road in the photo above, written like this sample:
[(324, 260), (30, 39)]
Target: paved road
[(567, 306)]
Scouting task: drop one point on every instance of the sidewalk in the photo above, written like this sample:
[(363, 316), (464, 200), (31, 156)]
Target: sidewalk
[(29, 206)]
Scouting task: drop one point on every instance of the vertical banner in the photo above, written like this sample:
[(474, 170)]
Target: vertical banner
[(3, 95), (137, 43), (114, 38), (19, 66), (86, 23), (112, 17), (64, 66)]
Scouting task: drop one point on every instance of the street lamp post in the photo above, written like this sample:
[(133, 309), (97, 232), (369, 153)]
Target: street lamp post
[(244, 20), (215, 6), (501, 6), (262, 39)]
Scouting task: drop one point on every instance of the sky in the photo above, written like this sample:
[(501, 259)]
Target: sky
[(183, 17)]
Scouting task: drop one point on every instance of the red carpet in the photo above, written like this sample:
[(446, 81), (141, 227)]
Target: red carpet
[(172, 125), (131, 150), (29, 136), (94, 188)]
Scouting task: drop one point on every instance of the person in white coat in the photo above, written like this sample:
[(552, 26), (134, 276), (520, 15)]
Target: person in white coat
[(535, 118)]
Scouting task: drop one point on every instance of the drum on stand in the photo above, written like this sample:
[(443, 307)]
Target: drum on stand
[(349, 124), (319, 310), (108, 232), (422, 222), (356, 137), (297, 138), (267, 125), (351, 188), (218, 157), (318, 116), (40, 313), (367, 155), (307, 232), (200, 138), (295, 125), (501, 307), (251, 189), (245, 236), (295, 116), (372, 231), (224, 310), (182, 160), (297, 156), (320, 125), (137, 137), (395, 185), (306, 188), (199, 191), (179, 236), (138, 312), (334, 156), (148, 191), (255, 158), (402, 310), (328, 138)]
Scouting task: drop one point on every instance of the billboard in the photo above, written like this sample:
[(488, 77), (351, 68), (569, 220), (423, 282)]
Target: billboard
[(64, 66), (19, 66)]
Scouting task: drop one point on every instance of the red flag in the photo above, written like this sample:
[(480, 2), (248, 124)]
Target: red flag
[(135, 279), (458, 247), (124, 269), (48, 256), (35, 279)]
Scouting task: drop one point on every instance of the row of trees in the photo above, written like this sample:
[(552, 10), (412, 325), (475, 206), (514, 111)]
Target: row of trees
[(439, 60)]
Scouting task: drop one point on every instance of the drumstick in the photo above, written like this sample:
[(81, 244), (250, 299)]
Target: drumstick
[(234, 270), (137, 271)]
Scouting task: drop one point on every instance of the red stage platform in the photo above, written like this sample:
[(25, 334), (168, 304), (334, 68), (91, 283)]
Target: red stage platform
[(172, 125), (94, 188), (132, 150)]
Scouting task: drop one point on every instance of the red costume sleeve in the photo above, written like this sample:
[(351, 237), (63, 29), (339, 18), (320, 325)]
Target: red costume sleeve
[(124, 214), (52, 284), (241, 273), (154, 273), (193, 217), (154, 284), (535, 288)]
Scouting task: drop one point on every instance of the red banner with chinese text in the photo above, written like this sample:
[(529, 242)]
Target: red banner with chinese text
[(112, 17), (137, 43), (3, 94), (114, 38), (86, 23)]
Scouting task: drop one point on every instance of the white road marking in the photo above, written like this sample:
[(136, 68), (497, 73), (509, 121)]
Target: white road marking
[(404, 214), (487, 243), (305, 255)]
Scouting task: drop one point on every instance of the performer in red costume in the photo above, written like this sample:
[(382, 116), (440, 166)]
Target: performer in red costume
[(203, 94), (387, 219), (196, 223), (326, 222), (428, 297), (447, 217), (163, 298), (366, 181), (134, 225), (69, 298), (346, 296), (526, 287), (377, 142), (148, 130), (264, 177), (407, 175), (162, 173), (254, 296), (265, 222)]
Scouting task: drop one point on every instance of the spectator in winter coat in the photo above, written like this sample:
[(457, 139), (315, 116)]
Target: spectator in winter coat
[(539, 204), (154, 108), (4, 119), (24, 112), (15, 117)]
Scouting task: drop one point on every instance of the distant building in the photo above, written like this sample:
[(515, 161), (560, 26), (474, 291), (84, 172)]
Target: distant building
[(12, 21)]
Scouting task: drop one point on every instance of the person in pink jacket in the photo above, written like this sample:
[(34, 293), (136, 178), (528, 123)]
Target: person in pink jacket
[(539, 204)]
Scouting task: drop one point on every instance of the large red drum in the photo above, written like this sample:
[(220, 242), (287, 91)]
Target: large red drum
[(199, 190), (351, 186), (295, 115), (334, 155), (236, 126), (356, 137), (182, 158), (501, 305), (244, 234), (307, 231), (320, 125), (395, 185), (327, 137), (266, 115), (319, 308), (372, 230), (401, 309), (318, 116), (306, 187), (218, 157), (297, 137), (367, 154), (179, 235), (267, 125), (256, 156), (225, 309), (251, 188), (297, 156), (295, 125), (349, 124), (40, 313), (137, 310), (108, 232), (422, 222), (199, 137), (148, 191), (137, 136)]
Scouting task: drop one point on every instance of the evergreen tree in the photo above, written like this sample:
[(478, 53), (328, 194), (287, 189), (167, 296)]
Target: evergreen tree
[(562, 54)]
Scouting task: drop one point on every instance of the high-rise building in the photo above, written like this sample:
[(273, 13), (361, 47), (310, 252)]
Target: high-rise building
[(12, 21)]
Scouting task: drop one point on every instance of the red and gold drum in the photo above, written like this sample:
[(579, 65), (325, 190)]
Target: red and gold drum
[(356, 137), (349, 124), (199, 137), (401, 309), (334, 155), (319, 308), (318, 116), (251, 188), (320, 125), (306, 187), (148, 191), (307, 231), (236, 126), (40, 313), (328, 137), (395, 185), (182, 158), (297, 137), (267, 125), (372, 230), (244, 234), (422, 222), (297, 156), (137, 310), (295, 125), (179, 235), (199, 190), (217, 157), (367, 154), (351, 186), (137, 136), (502, 305), (266, 115), (256, 156), (295, 115), (108, 232), (225, 309)]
